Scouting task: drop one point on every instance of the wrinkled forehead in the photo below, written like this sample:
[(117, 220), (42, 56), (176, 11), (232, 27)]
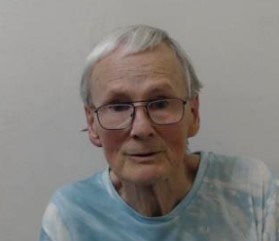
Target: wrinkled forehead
[(135, 74), (159, 61)]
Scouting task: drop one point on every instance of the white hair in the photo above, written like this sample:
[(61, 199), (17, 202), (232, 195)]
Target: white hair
[(135, 39)]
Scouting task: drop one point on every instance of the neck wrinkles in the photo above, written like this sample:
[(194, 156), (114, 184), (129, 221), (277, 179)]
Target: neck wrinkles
[(162, 197)]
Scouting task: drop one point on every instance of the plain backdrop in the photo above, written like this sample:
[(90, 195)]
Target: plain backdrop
[(43, 46)]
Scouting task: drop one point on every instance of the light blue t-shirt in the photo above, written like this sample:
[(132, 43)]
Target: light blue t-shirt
[(232, 198)]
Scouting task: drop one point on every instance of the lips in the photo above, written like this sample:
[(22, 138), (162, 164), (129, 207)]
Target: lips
[(143, 156)]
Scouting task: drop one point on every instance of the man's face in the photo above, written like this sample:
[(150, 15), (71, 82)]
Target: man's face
[(144, 152)]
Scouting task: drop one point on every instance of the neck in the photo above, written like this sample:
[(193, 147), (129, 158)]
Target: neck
[(159, 198)]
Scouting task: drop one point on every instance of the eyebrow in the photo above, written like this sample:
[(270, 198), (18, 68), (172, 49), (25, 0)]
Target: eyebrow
[(163, 89), (117, 96), (122, 95)]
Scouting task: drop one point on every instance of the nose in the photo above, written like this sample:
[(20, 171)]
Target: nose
[(142, 127)]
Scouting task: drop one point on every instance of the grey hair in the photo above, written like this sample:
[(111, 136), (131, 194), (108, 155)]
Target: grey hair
[(136, 38)]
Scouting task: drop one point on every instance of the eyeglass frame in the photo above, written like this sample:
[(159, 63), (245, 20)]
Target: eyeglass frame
[(143, 103)]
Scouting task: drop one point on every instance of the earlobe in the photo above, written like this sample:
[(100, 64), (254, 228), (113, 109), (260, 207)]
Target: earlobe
[(91, 125), (195, 122)]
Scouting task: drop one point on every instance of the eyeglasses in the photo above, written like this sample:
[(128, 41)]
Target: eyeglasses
[(119, 116)]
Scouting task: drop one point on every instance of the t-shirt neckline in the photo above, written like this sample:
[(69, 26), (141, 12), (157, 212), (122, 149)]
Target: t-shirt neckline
[(185, 202)]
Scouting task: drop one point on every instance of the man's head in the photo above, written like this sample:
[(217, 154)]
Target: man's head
[(140, 106), (135, 39)]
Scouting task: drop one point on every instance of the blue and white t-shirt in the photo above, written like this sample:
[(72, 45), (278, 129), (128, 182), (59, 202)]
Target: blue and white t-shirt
[(232, 198)]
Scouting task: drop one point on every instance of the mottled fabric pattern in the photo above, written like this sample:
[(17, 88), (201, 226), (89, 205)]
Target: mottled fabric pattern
[(232, 198)]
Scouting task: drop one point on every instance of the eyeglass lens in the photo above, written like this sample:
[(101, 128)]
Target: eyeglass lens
[(120, 116)]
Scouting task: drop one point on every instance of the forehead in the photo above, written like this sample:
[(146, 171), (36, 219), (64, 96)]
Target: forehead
[(153, 70)]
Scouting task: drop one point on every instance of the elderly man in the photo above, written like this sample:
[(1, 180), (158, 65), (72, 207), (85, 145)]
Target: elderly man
[(140, 94)]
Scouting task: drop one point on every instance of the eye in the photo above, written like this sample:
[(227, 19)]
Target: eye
[(159, 104), (118, 107)]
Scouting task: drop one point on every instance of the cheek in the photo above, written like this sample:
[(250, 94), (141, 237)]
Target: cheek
[(178, 146), (176, 139), (111, 143)]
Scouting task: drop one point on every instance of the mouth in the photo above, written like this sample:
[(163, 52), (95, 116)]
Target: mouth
[(149, 153), (144, 156)]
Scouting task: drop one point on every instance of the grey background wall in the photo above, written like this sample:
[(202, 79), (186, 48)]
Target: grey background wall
[(43, 45)]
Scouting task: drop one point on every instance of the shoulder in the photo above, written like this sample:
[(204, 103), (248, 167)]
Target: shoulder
[(247, 190), (240, 172), (81, 192), (237, 166), (71, 204)]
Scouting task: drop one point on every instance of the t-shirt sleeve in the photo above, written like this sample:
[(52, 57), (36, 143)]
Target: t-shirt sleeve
[(53, 228), (271, 222)]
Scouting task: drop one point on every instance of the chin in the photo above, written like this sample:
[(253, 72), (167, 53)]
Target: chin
[(145, 176)]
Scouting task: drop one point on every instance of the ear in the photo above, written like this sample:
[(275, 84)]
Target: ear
[(195, 117), (92, 128)]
